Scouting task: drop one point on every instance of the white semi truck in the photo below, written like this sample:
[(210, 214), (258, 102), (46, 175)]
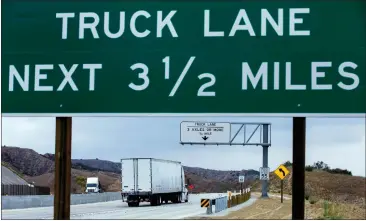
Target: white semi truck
[(152, 180), (93, 185)]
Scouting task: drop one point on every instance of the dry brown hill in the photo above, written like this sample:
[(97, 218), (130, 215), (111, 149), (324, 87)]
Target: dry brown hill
[(26, 161), (323, 185), (109, 181), (39, 169)]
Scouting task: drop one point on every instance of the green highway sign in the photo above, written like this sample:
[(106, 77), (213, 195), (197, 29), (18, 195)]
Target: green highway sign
[(134, 57)]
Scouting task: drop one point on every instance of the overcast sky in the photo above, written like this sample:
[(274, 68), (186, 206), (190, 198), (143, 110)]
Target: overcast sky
[(338, 142)]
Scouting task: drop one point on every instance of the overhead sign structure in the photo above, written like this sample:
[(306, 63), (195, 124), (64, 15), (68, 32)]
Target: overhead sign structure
[(264, 173), (182, 57), (204, 132), (282, 172), (241, 179)]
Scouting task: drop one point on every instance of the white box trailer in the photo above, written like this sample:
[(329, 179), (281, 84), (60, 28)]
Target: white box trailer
[(152, 180)]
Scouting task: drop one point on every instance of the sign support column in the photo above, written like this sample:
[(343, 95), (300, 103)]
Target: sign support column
[(62, 168), (298, 168), (265, 158), (281, 172), (241, 181), (281, 191)]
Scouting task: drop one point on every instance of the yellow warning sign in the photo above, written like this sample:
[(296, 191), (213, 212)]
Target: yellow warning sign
[(282, 172)]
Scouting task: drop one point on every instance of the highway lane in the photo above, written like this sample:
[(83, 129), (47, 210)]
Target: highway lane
[(118, 210)]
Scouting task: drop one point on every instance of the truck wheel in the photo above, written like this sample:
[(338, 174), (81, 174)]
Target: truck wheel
[(133, 204), (177, 199), (153, 200)]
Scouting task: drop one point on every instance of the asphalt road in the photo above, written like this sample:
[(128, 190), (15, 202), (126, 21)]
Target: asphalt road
[(118, 210)]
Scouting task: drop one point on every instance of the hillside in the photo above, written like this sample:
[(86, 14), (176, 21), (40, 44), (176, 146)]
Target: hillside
[(26, 161), (109, 181), (115, 167), (39, 168), (323, 185)]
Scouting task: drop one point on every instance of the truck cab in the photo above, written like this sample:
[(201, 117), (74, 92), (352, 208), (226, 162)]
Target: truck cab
[(93, 185)]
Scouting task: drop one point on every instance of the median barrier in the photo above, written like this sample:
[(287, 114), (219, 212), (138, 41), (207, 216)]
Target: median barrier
[(22, 202), (220, 204)]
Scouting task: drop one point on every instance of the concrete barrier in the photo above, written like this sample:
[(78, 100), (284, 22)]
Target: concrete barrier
[(22, 202)]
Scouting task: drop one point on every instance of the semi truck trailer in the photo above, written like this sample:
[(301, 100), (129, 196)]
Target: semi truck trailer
[(152, 180)]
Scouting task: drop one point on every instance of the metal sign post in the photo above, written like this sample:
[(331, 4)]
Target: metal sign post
[(265, 158), (241, 181), (281, 191), (63, 168), (282, 172), (298, 168)]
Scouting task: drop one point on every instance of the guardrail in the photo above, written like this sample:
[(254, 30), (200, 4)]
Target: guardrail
[(239, 199), (225, 202), (22, 202)]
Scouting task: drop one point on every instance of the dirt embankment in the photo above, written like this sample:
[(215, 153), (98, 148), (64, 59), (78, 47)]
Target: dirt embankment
[(272, 208)]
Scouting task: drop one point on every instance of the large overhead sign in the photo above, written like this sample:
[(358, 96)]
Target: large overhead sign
[(121, 57)]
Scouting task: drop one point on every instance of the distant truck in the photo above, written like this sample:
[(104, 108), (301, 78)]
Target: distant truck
[(93, 185), (152, 180)]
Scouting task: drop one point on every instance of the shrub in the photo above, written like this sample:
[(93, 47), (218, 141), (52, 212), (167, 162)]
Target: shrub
[(330, 211), (320, 165), (309, 168), (313, 200), (307, 191), (340, 171), (81, 181), (287, 164), (307, 196)]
